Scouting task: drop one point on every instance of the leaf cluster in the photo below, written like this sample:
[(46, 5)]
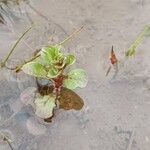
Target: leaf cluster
[(51, 64)]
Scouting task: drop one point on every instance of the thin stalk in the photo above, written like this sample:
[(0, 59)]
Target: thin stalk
[(8, 143), (108, 70), (18, 68), (13, 48), (7, 140), (71, 36), (138, 41)]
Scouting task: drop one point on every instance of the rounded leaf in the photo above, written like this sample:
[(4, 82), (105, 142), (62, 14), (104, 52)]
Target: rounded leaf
[(70, 59), (70, 100), (34, 69), (76, 78), (44, 106)]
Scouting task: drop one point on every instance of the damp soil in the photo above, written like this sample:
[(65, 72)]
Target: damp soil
[(115, 114)]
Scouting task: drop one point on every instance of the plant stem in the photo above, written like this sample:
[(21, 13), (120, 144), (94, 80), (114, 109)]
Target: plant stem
[(13, 48), (7, 140), (8, 144), (138, 41), (71, 36), (18, 68)]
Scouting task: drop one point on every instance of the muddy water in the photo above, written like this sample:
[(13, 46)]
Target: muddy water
[(116, 112)]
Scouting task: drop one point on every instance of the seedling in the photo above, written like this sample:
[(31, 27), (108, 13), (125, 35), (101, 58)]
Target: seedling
[(53, 65), (130, 52), (114, 62)]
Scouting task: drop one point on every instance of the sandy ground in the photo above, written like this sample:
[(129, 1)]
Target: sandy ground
[(116, 113)]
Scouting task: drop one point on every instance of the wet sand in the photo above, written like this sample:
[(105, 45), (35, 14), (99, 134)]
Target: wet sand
[(116, 113)]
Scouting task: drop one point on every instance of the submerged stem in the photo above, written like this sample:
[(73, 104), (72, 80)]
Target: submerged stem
[(13, 48)]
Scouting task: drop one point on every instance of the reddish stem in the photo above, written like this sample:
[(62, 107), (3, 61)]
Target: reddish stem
[(58, 82)]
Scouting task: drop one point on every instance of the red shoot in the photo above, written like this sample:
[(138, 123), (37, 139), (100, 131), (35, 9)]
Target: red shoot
[(113, 57)]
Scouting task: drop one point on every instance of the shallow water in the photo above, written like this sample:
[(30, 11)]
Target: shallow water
[(114, 109)]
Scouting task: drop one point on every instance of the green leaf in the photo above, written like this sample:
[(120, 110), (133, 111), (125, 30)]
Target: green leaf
[(34, 69), (76, 78), (70, 59), (53, 72), (44, 106), (51, 54)]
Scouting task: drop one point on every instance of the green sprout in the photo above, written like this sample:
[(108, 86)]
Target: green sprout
[(132, 49), (51, 64), (130, 52)]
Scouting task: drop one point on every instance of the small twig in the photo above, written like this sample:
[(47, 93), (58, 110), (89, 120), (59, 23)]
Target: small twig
[(18, 68), (7, 140), (71, 35), (13, 48), (108, 70), (131, 140), (8, 143)]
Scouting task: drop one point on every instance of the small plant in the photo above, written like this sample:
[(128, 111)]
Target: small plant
[(132, 49), (114, 63), (130, 52), (52, 64)]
